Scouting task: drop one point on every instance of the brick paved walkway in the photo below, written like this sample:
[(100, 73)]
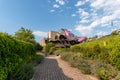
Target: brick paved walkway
[(53, 68), (49, 70)]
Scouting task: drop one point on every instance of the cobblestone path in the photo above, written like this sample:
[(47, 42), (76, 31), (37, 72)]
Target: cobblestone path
[(49, 70), (53, 68)]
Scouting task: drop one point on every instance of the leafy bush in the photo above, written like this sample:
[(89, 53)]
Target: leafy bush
[(48, 47), (99, 57), (13, 53), (103, 71), (59, 51), (65, 56), (118, 76), (3, 74), (24, 72), (37, 59), (75, 48), (76, 60), (105, 49), (38, 47), (51, 51), (84, 66)]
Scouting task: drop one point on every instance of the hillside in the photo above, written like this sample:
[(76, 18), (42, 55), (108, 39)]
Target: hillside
[(99, 57)]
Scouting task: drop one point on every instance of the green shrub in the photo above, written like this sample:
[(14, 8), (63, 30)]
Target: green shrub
[(105, 49), (51, 51), (3, 73), (65, 56), (76, 60), (24, 72), (99, 57), (75, 48), (13, 53), (103, 71), (118, 76), (48, 47), (104, 56), (84, 66), (104, 74), (38, 47), (115, 57), (37, 59), (59, 51)]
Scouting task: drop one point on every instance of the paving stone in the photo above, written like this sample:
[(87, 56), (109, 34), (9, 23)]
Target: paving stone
[(49, 70)]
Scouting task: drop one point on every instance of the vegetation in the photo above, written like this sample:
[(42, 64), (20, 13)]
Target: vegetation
[(26, 35), (105, 49), (49, 48), (115, 32), (98, 57), (76, 60), (15, 58), (23, 72), (38, 47), (37, 59), (58, 51)]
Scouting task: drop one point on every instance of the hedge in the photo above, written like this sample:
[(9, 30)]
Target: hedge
[(13, 53), (106, 49)]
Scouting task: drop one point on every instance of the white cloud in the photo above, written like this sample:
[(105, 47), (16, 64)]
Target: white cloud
[(95, 23), (56, 6), (115, 24), (105, 19), (100, 14), (95, 13), (40, 33), (84, 30), (61, 2), (102, 33), (79, 3), (87, 0), (83, 14), (97, 3), (84, 21), (73, 15), (107, 24), (52, 10), (106, 5)]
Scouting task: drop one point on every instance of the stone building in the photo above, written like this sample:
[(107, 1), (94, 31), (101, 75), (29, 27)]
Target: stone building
[(43, 42)]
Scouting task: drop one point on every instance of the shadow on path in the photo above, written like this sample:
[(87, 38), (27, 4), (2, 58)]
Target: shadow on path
[(49, 70)]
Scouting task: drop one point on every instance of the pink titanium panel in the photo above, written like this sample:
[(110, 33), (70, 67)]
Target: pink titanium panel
[(68, 34), (81, 39)]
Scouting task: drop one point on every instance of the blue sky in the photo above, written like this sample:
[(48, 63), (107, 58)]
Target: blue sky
[(82, 17)]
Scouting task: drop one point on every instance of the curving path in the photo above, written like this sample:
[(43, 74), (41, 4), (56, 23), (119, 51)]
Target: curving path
[(53, 68)]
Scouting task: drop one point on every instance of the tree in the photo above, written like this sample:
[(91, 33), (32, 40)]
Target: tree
[(25, 35)]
